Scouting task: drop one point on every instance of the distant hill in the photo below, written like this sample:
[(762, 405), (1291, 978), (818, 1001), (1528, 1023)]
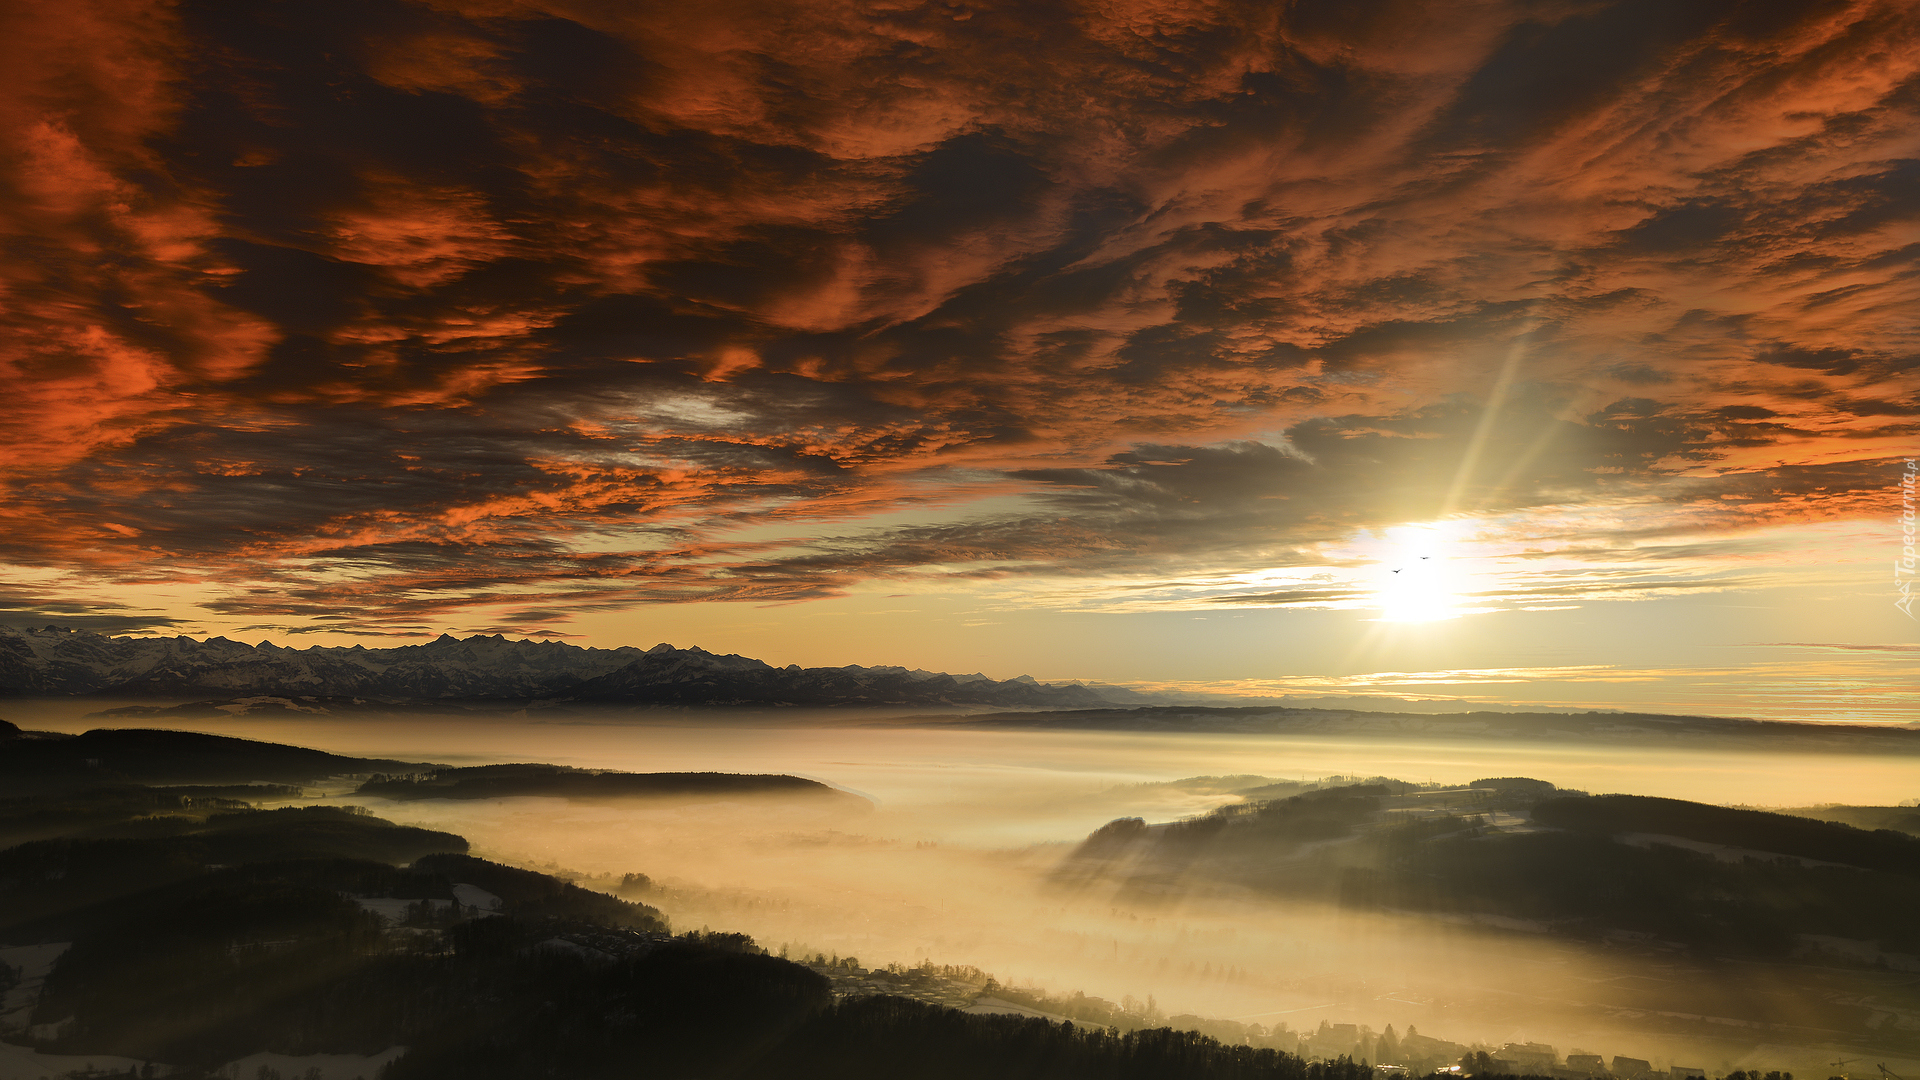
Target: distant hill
[(1755, 830), (1904, 819), (108, 761), (1721, 881), (1638, 728), (44, 762), (502, 781), (55, 662)]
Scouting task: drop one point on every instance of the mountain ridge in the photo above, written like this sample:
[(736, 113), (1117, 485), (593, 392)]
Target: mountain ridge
[(56, 662)]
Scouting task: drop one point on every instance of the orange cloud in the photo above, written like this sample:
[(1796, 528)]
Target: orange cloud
[(484, 297)]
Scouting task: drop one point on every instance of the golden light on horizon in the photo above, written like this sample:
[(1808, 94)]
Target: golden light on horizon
[(1415, 579)]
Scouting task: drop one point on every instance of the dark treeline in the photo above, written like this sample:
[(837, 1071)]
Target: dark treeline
[(502, 781), (51, 889), (881, 1038), (1585, 883), (1884, 849), (44, 763), (110, 811), (686, 1010), (1902, 819)]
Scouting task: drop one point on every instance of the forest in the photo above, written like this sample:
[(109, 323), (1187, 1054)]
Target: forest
[(200, 928), (1720, 881)]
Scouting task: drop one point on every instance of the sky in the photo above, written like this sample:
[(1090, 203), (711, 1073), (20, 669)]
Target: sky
[(1556, 351)]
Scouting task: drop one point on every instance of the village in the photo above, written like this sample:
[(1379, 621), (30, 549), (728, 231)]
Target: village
[(1394, 1056)]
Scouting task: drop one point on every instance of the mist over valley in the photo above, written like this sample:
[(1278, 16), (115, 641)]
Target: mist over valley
[(1253, 886)]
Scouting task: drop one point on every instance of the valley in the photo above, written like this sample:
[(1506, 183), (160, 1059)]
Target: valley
[(1247, 905)]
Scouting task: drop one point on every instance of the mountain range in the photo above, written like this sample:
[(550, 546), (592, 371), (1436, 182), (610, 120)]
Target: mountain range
[(53, 661), (188, 678)]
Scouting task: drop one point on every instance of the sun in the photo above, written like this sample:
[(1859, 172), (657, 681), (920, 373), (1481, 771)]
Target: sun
[(1414, 579)]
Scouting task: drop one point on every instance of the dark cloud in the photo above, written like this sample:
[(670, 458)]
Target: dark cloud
[(340, 627), (23, 608), (386, 309)]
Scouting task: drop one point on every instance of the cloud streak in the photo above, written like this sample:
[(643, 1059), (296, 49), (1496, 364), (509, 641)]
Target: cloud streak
[(393, 310)]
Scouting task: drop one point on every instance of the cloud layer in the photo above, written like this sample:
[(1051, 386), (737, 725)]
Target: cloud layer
[(376, 311)]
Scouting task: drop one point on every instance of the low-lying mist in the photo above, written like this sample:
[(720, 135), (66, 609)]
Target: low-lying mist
[(953, 865)]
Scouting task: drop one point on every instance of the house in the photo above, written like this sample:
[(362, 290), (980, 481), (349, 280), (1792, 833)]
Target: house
[(1334, 1040), (1531, 1057), (1427, 1048), (1631, 1068)]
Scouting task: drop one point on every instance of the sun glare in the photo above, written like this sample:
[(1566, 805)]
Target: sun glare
[(1414, 580)]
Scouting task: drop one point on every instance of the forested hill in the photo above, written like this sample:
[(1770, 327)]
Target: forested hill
[(40, 761), (502, 781), (52, 763), (1717, 880), (1691, 906)]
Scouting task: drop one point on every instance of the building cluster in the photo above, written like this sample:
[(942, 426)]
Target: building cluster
[(849, 979), (1401, 1056), (1539, 1059)]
